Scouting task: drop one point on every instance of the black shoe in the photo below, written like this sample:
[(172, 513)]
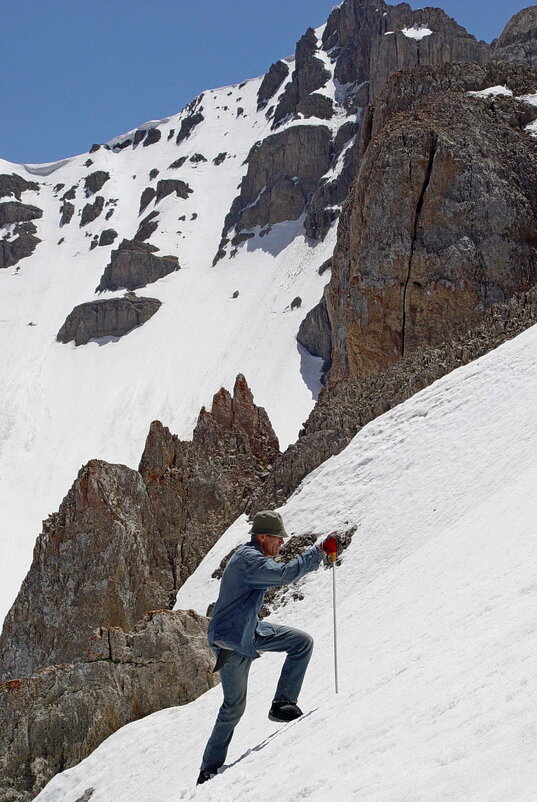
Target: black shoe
[(206, 774), (284, 711)]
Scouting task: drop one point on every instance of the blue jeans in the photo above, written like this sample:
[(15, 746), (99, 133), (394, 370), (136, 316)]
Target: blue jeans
[(234, 677)]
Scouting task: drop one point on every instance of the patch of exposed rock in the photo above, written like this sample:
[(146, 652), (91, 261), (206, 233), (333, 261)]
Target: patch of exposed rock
[(167, 186), (366, 41), (346, 406), (441, 221), (124, 541), (12, 251), (279, 180), (199, 488), (133, 265), (309, 75), (153, 136), (15, 185), (109, 317), (315, 333), (272, 81), (54, 719), (108, 236), (16, 212), (67, 211), (91, 211), (518, 41), (194, 117), (95, 181), (147, 227)]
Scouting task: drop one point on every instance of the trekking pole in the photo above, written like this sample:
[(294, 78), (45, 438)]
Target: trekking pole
[(330, 546)]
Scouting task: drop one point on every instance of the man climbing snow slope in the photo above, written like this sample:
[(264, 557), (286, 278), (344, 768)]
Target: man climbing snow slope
[(236, 634)]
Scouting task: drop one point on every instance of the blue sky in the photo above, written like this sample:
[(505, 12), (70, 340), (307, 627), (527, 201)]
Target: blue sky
[(75, 72)]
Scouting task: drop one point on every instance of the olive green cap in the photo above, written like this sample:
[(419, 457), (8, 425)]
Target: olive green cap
[(268, 522)]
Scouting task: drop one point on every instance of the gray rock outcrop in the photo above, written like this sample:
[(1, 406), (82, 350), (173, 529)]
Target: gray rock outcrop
[(309, 75), (518, 42), (153, 136), (109, 317), (52, 720), (15, 185), (272, 81), (95, 182), (315, 333), (108, 236), (67, 210), (194, 118), (367, 43), (279, 180), (133, 265), (167, 186), (104, 519), (91, 211), (12, 251), (147, 227), (16, 212)]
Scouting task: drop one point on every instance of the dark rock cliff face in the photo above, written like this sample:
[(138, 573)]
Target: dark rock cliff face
[(279, 178), (134, 265), (272, 81), (124, 541), (110, 317), (95, 181), (309, 74), (440, 224), (12, 251), (518, 42), (364, 42), (359, 35), (15, 212), (15, 185), (52, 720)]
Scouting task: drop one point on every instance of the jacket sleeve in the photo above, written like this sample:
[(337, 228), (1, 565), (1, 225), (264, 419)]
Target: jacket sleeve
[(262, 572)]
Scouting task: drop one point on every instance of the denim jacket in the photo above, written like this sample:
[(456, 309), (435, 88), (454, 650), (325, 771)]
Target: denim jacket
[(246, 577)]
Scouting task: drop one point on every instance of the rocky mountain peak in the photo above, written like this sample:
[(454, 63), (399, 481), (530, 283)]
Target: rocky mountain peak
[(518, 41)]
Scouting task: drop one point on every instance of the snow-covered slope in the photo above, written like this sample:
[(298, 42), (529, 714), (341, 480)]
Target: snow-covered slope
[(61, 405), (436, 616)]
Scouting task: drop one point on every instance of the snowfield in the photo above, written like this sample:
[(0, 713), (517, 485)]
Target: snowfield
[(436, 622), (62, 405)]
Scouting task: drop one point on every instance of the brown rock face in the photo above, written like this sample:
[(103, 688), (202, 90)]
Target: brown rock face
[(133, 265), (94, 565), (198, 489), (440, 225), (309, 74), (518, 42), (110, 317), (51, 721), (123, 542)]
